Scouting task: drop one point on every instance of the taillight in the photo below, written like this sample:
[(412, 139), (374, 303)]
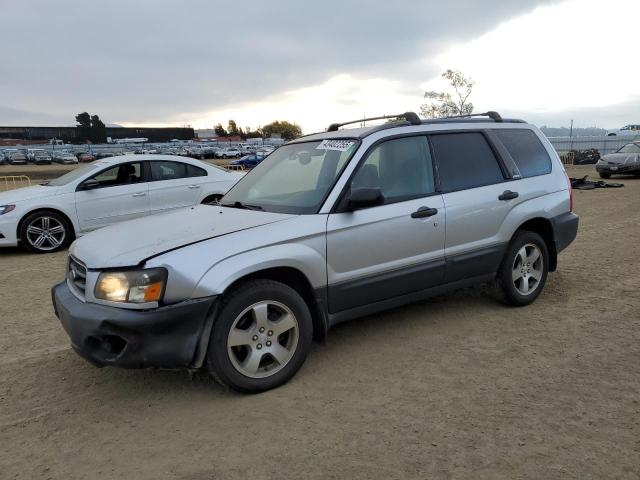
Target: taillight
[(570, 192)]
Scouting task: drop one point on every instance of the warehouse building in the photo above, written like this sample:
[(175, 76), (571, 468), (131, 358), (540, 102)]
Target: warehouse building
[(15, 135)]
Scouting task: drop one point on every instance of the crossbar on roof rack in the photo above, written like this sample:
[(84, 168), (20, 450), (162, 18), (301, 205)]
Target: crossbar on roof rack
[(410, 117), (495, 116)]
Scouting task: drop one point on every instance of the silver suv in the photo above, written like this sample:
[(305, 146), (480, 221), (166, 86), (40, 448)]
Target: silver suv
[(330, 227)]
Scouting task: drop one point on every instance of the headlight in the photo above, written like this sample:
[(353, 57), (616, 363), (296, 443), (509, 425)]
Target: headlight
[(6, 209), (132, 286)]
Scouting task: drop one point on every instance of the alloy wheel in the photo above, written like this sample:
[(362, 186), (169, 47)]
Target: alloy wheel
[(527, 270), (263, 339), (46, 233)]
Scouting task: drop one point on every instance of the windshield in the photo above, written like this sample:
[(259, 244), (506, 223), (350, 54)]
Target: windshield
[(72, 175), (296, 178), (630, 148)]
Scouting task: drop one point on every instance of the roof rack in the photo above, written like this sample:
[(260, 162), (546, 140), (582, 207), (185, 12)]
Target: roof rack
[(495, 116), (410, 117)]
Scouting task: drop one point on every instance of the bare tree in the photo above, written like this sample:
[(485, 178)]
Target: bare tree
[(445, 104)]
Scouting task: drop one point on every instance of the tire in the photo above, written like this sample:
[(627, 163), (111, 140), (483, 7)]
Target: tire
[(605, 175), (250, 317), (521, 281), (45, 231)]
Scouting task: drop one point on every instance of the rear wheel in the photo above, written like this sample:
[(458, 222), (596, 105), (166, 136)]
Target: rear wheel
[(45, 232), (524, 268), (605, 175), (260, 337)]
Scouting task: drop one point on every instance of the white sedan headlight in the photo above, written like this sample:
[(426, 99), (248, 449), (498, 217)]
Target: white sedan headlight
[(6, 209), (132, 286)]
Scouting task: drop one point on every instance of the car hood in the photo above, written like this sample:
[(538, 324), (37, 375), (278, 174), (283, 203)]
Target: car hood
[(129, 243), (27, 193), (621, 158)]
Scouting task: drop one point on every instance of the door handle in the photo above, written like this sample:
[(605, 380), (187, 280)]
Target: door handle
[(424, 212), (194, 186), (139, 194), (508, 195)]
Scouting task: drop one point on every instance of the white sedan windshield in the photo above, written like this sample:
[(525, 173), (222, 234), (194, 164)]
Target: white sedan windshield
[(73, 175)]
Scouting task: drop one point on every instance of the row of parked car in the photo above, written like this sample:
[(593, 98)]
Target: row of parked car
[(38, 156), (249, 155)]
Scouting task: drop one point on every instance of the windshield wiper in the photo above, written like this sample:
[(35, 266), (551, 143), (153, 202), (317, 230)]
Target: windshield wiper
[(244, 206), (44, 184)]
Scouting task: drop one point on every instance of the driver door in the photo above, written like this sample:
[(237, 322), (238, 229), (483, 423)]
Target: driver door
[(121, 194), (396, 248)]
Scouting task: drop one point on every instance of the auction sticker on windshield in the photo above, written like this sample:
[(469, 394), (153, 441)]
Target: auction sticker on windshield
[(339, 145)]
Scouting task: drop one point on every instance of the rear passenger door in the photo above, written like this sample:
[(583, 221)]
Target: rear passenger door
[(475, 186), (174, 185), (385, 251)]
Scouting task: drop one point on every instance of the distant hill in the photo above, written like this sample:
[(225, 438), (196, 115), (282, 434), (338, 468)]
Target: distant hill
[(113, 125), (577, 132)]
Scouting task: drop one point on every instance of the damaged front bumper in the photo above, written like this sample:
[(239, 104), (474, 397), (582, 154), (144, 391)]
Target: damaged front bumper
[(165, 337)]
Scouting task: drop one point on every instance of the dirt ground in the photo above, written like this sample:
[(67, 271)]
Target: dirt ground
[(456, 387)]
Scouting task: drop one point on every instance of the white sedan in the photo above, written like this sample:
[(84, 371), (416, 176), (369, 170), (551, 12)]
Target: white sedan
[(47, 217)]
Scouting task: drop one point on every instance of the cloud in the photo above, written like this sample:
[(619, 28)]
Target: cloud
[(558, 62), (164, 62)]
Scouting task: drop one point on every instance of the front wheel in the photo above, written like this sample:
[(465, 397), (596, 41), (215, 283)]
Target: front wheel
[(212, 200), (605, 175), (524, 268), (45, 232), (260, 337)]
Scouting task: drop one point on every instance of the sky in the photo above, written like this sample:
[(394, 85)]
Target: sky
[(200, 62)]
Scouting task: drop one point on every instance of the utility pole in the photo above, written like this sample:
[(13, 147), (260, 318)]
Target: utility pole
[(571, 136)]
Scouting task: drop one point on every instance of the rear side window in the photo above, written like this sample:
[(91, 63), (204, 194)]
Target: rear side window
[(175, 170), (465, 160), (526, 150), (193, 171)]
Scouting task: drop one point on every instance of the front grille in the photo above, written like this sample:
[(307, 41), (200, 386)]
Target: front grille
[(77, 276)]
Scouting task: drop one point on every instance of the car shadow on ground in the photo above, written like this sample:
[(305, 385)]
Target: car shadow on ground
[(362, 333)]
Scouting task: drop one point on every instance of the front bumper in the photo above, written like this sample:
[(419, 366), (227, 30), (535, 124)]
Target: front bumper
[(166, 337), (618, 168), (8, 227)]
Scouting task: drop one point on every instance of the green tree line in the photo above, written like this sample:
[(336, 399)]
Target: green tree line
[(287, 130)]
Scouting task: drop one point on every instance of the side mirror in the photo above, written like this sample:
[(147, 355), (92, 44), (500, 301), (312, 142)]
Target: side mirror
[(364, 197), (90, 184)]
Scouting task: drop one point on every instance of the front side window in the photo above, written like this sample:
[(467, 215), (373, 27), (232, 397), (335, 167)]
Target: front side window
[(630, 148), (527, 151), (465, 160), (296, 178), (401, 168), (125, 174)]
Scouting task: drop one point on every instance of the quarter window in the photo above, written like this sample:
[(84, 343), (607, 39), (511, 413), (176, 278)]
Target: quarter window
[(465, 160), (193, 171), (401, 168), (526, 150)]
